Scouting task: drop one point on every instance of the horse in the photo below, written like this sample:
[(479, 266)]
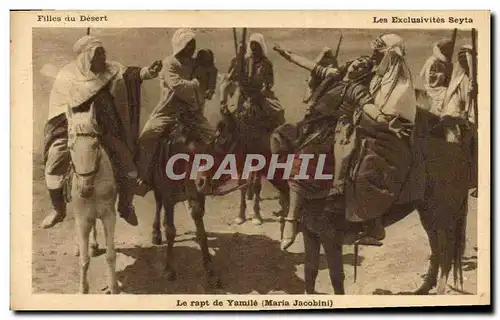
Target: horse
[(258, 142), (168, 193), (93, 194), (441, 205)]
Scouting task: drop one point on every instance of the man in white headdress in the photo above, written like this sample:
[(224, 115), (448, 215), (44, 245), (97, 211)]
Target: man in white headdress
[(182, 99), (457, 102), (458, 116), (256, 93), (86, 80), (436, 74)]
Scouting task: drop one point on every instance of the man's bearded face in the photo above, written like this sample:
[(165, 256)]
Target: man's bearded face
[(98, 63), (256, 48), (462, 60)]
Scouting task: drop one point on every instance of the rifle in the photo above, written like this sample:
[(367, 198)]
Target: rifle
[(338, 47), (474, 104), (235, 40), (453, 40), (241, 59), (473, 74)]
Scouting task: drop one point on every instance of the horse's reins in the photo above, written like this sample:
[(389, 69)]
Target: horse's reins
[(97, 164)]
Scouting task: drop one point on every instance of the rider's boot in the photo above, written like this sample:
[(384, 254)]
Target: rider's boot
[(374, 233), (58, 212), (125, 197)]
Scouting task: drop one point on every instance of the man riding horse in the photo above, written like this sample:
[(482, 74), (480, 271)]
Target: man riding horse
[(458, 117), (90, 79), (379, 108), (257, 105), (182, 100)]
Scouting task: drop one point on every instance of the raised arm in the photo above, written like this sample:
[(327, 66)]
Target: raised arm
[(315, 69), (295, 58)]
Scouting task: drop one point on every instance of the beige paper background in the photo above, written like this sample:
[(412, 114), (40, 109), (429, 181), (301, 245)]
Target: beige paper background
[(22, 23)]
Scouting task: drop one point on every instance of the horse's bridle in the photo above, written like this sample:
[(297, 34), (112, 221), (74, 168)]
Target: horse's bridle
[(91, 135)]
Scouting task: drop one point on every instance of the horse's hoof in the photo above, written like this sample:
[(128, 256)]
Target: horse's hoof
[(156, 240), (239, 220), (214, 282), (108, 290), (93, 250), (84, 289), (257, 221), (170, 275), (424, 289)]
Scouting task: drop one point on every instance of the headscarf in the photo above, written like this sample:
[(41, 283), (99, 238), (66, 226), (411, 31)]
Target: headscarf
[(75, 83), (180, 39), (442, 51), (392, 84), (84, 49), (259, 38)]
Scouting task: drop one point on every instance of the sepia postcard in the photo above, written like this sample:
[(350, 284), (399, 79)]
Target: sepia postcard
[(250, 160)]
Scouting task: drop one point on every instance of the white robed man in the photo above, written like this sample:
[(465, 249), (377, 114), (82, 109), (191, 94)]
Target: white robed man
[(181, 102), (436, 74), (91, 79), (458, 116)]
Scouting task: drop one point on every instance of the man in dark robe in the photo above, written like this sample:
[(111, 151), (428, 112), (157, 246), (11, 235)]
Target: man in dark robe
[(86, 80)]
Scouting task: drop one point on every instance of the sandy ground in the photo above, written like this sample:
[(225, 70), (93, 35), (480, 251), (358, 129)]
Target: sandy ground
[(246, 257)]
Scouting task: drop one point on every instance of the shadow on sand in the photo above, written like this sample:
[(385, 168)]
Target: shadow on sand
[(245, 264)]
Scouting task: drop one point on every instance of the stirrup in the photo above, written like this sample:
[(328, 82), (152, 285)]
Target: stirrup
[(366, 240)]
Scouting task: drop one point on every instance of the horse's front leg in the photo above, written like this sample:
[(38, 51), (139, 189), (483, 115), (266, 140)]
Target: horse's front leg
[(241, 218), (170, 234), (256, 186), (156, 233), (93, 245), (83, 227), (332, 244), (109, 224), (197, 210), (312, 248)]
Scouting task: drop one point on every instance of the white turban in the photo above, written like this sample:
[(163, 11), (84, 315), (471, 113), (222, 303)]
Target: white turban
[(85, 48), (86, 43), (259, 38), (181, 38), (75, 83)]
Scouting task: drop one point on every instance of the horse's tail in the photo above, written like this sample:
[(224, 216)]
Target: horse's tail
[(460, 241)]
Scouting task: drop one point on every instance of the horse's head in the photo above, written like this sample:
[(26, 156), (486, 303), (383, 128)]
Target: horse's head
[(183, 141), (84, 146)]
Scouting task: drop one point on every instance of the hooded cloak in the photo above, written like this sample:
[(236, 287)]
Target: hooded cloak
[(392, 84), (76, 83)]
